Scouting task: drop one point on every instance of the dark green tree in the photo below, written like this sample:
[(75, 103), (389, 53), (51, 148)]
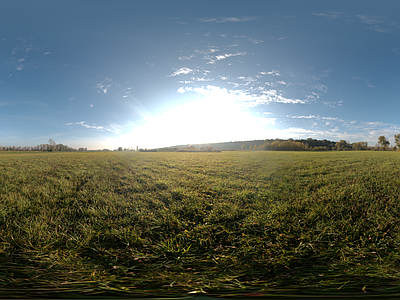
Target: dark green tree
[(383, 142)]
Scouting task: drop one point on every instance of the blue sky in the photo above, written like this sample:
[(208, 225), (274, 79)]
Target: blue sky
[(103, 74)]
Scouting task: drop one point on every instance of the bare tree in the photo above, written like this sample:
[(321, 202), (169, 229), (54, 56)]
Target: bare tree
[(52, 144)]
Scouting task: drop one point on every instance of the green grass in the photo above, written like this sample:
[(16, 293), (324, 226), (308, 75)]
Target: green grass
[(222, 223)]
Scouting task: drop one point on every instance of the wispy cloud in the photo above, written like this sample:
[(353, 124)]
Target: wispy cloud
[(114, 128), (213, 59), (379, 23), (22, 51), (333, 104), (220, 57), (358, 78), (104, 86), (242, 97), (186, 57), (227, 19), (331, 15), (304, 117), (249, 39), (86, 125), (8, 103), (181, 71), (325, 73), (273, 73), (207, 51)]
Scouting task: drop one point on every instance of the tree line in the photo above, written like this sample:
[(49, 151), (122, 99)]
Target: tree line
[(271, 145), (51, 146), (324, 145)]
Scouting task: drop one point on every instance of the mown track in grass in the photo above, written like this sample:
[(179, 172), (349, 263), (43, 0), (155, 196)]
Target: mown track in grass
[(173, 223)]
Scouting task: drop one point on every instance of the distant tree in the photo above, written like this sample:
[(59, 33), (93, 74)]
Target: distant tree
[(119, 148), (209, 148), (397, 140), (383, 142), (52, 145), (243, 147), (360, 146), (342, 145)]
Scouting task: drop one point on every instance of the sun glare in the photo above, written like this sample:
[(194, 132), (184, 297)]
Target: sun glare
[(216, 117)]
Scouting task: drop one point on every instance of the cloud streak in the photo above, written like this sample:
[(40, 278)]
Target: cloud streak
[(379, 23), (86, 125), (241, 97), (227, 19)]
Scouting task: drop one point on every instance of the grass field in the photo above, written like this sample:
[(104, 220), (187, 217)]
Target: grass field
[(223, 223)]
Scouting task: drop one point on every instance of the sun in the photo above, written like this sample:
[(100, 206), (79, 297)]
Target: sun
[(215, 117)]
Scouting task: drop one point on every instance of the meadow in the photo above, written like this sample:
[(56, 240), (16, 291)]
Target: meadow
[(230, 223)]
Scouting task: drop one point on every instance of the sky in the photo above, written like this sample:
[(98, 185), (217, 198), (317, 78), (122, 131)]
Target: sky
[(108, 74)]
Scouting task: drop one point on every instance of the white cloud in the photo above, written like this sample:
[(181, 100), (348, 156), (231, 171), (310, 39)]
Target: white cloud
[(86, 125), (181, 71), (304, 117), (47, 53), (273, 73), (212, 60), (208, 51)]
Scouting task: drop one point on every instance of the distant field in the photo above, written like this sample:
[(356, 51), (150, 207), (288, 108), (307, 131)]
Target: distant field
[(221, 223)]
